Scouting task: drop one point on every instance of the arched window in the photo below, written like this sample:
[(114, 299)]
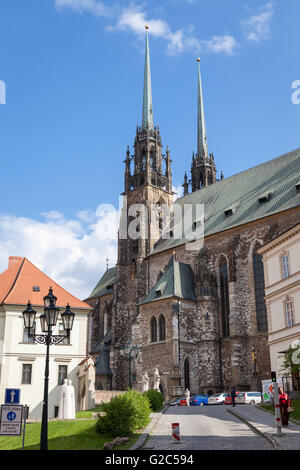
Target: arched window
[(225, 310), (259, 284), (162, 328), (187, 373), (153, 330)]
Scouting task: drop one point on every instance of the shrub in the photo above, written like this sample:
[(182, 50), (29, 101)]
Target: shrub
[(124, 414), (156, 399)]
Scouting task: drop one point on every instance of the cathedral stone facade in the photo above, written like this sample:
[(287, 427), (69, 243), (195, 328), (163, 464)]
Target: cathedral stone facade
[(197, 312)]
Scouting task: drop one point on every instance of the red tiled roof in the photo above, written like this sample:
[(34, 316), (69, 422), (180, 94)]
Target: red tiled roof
[(17, 282)]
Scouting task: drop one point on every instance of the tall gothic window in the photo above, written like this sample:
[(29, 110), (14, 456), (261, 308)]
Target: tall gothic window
[(259, 284), (187, 373), (162, 328), (153, 330), (225, 310)]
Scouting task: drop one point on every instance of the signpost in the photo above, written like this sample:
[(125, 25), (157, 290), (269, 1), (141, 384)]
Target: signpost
[(11, 420)]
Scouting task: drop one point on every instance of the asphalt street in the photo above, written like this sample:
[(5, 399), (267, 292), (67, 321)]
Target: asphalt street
[(205, 428)]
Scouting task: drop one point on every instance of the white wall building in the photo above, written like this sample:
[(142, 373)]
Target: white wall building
[(22, 361), (281, 258)]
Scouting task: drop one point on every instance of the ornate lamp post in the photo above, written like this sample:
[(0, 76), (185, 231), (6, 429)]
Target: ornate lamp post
[(48, 320), (129, 352)]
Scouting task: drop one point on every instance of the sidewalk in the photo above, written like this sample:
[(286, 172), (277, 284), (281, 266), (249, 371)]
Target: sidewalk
[(264, 422), (155, 417)]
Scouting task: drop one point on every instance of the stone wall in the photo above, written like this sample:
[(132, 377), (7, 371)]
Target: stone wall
[(104, 396)]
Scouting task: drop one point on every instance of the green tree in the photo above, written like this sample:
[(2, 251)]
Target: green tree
[(291, 362)]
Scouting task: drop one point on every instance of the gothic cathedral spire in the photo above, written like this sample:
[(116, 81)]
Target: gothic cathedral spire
[(147, 121), (203, 170)]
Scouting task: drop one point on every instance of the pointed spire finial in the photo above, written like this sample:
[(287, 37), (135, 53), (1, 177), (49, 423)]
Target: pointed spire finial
[(147, 122), (202, 137)]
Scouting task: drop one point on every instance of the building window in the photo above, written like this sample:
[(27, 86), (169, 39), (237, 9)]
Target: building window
[(285, 266), (259, 284), (223, 272), (162, 328), (187, 373), (153, 330), (63, 332), (289, 313), (26, 337), (56, 410), (62, 374), (26, 374)]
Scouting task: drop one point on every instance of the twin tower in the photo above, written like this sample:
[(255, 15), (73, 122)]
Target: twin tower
[(151, 167)]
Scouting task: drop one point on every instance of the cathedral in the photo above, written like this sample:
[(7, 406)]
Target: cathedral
[(196, 312)]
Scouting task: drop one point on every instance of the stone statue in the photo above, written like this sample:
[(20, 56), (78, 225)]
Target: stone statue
[(156, 379), (64, 404), (72, 399), (145, 382), (67, 401)]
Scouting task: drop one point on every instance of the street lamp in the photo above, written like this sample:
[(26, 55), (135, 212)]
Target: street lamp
[(48, 320), (129, 352)]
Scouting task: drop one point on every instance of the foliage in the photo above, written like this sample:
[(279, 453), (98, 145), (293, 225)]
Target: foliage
[(156, 399), (124, 414), (291, 363)]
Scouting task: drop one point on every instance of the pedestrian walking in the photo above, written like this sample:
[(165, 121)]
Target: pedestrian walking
[(233, 394), (284, 404), (187, 396)]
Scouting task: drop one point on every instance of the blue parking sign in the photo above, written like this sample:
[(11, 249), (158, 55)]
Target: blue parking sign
[(12, 396)]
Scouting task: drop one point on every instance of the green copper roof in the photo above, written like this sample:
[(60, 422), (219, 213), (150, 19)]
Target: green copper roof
[(105, 285), (147, 122), (241, 194), (202, 136), (177, 281)]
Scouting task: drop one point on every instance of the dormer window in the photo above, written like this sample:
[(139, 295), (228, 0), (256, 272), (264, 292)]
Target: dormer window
[(232, 209), (265, 197), (158, 293), (36, 288), (298, 187), (109, 287)]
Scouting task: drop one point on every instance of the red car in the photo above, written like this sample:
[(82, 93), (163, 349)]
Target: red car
[(228, 400)]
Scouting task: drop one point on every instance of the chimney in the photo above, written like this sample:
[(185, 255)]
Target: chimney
[(13, 260)]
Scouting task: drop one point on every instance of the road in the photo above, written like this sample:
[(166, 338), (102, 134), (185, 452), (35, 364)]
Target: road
[(205, 428)]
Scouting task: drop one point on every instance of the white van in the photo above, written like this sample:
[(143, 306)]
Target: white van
[(248, 398)]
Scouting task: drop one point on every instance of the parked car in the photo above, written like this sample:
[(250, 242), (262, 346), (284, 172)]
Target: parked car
[(248, 398), (199, 400), (228, 399), (174, 402), (183, 401), (217, 399)]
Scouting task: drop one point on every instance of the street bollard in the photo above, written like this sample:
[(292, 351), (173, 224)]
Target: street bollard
[(175, 433), (277, 408)]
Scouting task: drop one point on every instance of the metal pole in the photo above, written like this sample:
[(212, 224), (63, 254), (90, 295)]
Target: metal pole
[(26, 408), (44, 428), (277, 408)]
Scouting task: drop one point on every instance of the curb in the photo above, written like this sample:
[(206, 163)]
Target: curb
[(148, 430), (295, 421), (255, 429)]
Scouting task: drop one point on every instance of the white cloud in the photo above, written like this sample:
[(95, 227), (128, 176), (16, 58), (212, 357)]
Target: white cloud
[(93, 6), (257, 27), (72, 252), (133, 18)]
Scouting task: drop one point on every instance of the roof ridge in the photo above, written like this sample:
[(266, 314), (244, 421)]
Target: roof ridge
[(14, 282)]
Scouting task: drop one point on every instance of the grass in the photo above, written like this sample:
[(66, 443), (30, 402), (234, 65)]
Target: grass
[(296, 406), (88, 413), (63, 435)]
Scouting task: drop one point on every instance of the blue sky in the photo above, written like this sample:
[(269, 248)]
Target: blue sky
[(73, 71)]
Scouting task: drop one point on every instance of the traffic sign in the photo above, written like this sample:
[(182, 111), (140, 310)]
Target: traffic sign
[(11, 420), (12, 395)]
